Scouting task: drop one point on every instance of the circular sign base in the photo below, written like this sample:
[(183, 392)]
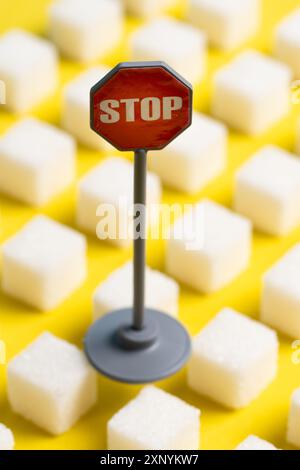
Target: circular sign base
[(137, 357)]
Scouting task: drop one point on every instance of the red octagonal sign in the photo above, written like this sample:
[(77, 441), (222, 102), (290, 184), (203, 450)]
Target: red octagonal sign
[(141, 105)]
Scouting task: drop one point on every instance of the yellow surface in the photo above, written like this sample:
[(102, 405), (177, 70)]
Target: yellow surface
[(221, 429)]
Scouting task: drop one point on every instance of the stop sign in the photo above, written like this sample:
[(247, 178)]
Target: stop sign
[(141, 105)]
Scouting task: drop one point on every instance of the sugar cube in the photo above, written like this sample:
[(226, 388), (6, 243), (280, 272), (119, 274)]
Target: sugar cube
[(76, 108), (234, 359), (180, 45), (86, 30), (287, 41), (147, 8), (28, 68), (280, 303), (7, 441), (155, 420), (227, 23), (105, 201), (252, 92), (255, 443), (43, 263), (268, 190), (208, 247), (161, 292), (189, 163), (37, 161), (51, 384), (293, 433)]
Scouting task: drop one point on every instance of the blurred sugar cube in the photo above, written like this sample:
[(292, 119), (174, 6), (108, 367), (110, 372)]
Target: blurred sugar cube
[(190, 162), (86, 30), (161, 292), (7, 441), (208, 247), (234, 359), (105, 201), (51, 384), (287, 42), (155, 420), (180, 45), (43, 263), (293, 433), (76, 108), (268, 190), (252, 92), (148, 8), (28, 69), (37, 161), (280, 303), (255, 443), (227, 23)]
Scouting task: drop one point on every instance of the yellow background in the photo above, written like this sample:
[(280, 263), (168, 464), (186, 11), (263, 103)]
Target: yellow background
[(19, 324)]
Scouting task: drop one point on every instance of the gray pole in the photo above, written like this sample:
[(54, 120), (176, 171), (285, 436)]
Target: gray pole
[(139, 258), (111, 338)]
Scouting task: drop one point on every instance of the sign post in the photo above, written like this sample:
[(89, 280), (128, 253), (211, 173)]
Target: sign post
[(139, 106), (139, 252)]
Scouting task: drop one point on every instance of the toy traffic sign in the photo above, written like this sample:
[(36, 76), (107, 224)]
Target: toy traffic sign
[(139, 106)]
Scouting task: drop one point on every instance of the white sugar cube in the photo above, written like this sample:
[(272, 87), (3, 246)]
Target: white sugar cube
[(287, 42), (268, 190), (180, 45), (189, 163), (227, 23), (28, 68), (43, 263), (76, 108), (161, 292), (155, 420), (105, 201), (208, 247), (255, 443), (86, 30), (293, 433), (148, 8), (280, 304), (7, 441), (37, 161), (51, 384), (252, 92), (233, 360)]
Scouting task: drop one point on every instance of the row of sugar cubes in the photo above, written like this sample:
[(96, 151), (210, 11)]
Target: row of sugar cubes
[(39, 259), (267, 192), (75, 25), (235, 84), (187, 164), (37, 162), (229, 368), (242, 98), (86, 30), (74, 28)]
